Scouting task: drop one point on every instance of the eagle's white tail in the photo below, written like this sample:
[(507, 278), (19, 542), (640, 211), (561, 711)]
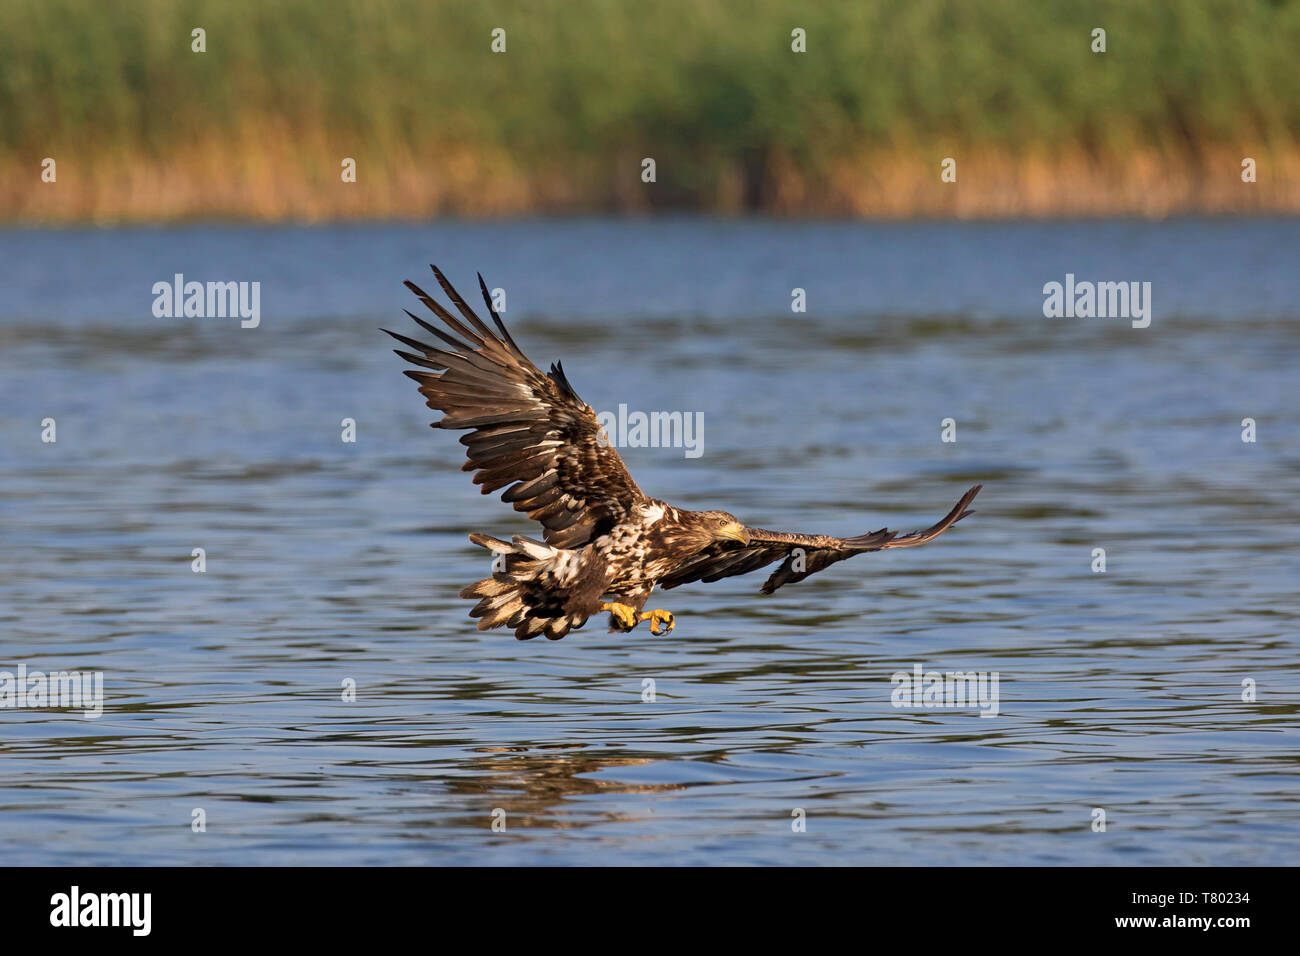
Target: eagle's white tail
[(528, 589)]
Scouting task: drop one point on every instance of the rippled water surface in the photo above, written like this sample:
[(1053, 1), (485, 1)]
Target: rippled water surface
[(329, 561)]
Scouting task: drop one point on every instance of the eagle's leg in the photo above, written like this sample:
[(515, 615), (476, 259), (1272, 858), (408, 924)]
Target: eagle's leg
[(657, 617), (623, 616)]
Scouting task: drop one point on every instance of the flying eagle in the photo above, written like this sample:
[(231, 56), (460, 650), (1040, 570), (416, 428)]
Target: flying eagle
[(605, 543)]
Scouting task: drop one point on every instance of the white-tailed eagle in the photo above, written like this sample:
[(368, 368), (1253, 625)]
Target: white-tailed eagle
[(605, 544)]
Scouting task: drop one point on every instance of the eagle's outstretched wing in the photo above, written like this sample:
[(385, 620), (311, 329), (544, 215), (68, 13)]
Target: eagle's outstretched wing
[(807, 552), (530, 430)]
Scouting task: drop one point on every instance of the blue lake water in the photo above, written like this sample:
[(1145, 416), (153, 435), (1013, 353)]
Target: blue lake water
[(330, 561)]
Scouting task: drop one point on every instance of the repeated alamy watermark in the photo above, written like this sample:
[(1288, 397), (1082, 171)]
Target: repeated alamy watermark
[(208, 300), (945, 690), (624, 429), (68, 690), (1102, 300)]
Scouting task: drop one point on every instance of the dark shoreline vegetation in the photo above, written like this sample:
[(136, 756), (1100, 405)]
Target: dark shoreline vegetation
[(143, 129)]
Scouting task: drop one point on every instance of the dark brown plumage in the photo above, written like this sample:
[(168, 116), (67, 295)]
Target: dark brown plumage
[(605, 543)]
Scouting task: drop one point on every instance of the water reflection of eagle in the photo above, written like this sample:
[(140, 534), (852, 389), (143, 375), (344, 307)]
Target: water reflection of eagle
[(606, 544)]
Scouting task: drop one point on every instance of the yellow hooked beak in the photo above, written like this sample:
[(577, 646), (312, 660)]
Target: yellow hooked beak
[(736, 532)]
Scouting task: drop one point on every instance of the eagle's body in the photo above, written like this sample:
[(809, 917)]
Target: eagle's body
[(605, 544)]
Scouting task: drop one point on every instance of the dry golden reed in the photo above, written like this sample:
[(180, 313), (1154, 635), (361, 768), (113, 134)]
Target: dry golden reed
[(142, 127)]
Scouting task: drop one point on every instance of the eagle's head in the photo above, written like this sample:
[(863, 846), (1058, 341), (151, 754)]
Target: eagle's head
[(719, 527)]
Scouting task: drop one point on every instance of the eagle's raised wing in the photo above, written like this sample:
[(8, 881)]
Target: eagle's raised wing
[(808, 552), (530, 430)]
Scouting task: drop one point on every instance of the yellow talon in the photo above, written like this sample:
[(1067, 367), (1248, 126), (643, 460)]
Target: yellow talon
[(625, 616), (656, 618)]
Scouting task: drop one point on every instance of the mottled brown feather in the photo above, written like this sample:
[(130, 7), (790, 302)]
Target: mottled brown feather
[(531, 433), (819, 551)]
